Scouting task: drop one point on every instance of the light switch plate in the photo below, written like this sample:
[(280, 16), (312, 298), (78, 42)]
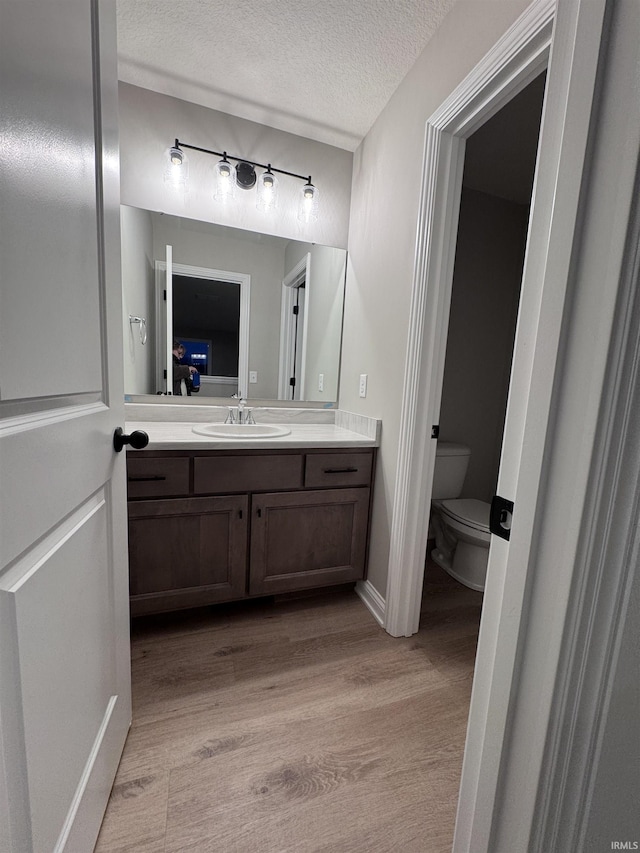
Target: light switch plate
[(363, 384), (253, 376), (321, 382)]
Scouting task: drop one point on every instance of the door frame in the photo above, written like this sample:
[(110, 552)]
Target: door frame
[(241, 279), (516, 59), (547, 303), (293, 280)]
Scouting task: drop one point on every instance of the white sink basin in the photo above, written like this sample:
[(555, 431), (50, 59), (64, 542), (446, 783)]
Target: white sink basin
[(241, 430)]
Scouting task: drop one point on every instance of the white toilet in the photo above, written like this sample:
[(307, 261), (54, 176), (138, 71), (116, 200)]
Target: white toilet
[(460, 525)]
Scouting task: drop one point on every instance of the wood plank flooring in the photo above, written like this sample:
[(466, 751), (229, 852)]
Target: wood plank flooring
[(296, 726)]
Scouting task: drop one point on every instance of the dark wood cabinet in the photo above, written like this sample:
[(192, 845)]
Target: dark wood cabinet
[(213, 526), (187, 552), (307, 539)]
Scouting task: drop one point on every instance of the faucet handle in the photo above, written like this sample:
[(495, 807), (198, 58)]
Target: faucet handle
[(248, 416), (230, 417)]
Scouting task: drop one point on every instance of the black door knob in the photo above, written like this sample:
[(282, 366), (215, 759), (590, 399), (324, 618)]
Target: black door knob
[(137, 439)]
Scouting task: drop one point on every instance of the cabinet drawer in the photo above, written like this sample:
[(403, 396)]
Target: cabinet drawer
[(338, 469), (246, 473), (149, 478)]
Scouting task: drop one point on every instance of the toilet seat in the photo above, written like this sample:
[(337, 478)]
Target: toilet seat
[(469, 511)]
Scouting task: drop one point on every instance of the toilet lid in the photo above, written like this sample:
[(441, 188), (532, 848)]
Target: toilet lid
[(469, 511)]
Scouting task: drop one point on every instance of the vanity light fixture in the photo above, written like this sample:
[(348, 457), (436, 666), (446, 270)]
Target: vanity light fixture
[(243, 175)]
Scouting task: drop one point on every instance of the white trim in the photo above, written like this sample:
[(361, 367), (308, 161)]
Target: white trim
[(604, 574), (219, 380), (514, 61), (168, 329), (372, 600), (242, 279)]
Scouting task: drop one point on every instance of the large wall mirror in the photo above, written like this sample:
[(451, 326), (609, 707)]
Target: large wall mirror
[(258, 315)]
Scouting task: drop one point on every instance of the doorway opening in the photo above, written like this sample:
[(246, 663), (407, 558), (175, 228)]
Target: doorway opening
[(206, 320), (497, 186)]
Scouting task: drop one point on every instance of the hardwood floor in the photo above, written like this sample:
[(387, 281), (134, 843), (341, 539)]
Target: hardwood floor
[(296, 726)]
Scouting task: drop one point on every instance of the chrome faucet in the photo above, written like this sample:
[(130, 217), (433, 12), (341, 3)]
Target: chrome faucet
[(240, 414)]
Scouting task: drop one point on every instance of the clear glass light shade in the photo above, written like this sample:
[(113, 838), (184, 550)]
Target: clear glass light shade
[(225, 180), (267, 191), (176, 171), (308, 211)]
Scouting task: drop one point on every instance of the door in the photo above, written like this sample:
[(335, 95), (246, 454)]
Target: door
[(64, 633), (308, 539), (187, 552)]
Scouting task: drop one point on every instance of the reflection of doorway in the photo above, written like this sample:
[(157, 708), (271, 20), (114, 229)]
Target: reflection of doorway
[(206, 320), (293, 332), (209, 308)]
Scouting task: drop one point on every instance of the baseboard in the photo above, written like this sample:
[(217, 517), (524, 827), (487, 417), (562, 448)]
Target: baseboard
[(372, 600)]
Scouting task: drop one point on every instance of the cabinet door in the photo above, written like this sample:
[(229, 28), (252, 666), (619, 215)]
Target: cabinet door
[(307, 539), (186, 552)]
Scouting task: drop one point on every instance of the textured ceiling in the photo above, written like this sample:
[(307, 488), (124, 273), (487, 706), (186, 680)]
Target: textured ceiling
[(323, 69)]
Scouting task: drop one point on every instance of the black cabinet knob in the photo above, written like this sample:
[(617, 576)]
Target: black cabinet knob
[(137, 439)]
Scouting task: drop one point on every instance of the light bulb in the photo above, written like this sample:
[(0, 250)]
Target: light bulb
[(177, 168), (267, 191), (225, 180), (308, 211)]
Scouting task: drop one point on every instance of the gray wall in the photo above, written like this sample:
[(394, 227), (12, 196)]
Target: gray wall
[(484, 302), (149, 124), (138, 298), (382, 237)]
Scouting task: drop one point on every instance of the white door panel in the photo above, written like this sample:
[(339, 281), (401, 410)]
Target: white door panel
[(66, 660), (48, 215), (62, 447), (64, 632)]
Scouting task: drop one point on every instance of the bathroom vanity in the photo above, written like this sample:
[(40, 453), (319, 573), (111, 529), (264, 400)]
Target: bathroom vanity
[(221, 521)]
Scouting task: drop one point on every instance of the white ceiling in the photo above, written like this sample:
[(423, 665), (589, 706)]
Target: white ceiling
[(323, 69)]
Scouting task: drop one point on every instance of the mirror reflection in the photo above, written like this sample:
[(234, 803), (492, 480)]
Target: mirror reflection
[(250, 314)]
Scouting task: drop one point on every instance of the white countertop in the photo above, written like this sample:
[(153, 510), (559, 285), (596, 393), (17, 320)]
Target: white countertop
[(175, 435)]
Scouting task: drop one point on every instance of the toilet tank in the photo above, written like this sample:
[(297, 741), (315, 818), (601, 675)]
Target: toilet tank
[(452, 460)]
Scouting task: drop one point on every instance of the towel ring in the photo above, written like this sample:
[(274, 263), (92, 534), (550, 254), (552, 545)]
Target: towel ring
[(143, 327)]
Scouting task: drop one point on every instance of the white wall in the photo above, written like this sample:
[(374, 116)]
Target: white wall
[(325, 305), (482, 325), (150, 123), (137, 298), (382, 233)]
